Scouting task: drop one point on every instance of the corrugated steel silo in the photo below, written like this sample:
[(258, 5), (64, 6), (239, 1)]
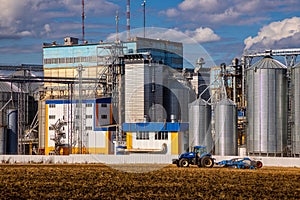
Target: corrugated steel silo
[(8, 97), (2, 141), (12, 131), (176, 99), (296, 109), (42, 121), (178, 93), (199, 124), (267, 107), (226, 143)]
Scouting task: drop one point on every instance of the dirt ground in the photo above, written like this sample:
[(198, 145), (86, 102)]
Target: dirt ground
[(102, 182)]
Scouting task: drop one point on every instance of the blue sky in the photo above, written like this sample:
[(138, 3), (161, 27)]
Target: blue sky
[(224, 28)]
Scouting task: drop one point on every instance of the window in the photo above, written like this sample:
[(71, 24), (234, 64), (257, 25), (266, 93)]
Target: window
[(89, 105), (103, 105), (77, 116), (51, 116), (54, 60), (88, 128), (68, 60), (161, 135), (142, 135), (89, 116), (62, 60), (103, 116), (84, 59), (51, 105)]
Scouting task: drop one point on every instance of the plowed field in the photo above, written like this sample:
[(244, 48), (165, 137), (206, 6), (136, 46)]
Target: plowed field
[(102, 182)]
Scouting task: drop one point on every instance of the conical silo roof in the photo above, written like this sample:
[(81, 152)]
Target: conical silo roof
[(226, 102), (268, 63), (297, 65), (198, 102), (8, 87)]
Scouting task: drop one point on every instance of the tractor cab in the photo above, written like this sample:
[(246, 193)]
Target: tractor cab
[(200, 151)]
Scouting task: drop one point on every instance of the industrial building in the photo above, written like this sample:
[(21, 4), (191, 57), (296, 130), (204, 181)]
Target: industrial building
[(62, 126), (142, 79)]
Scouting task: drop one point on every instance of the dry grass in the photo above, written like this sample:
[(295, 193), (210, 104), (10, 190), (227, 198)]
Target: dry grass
[(102, 182)]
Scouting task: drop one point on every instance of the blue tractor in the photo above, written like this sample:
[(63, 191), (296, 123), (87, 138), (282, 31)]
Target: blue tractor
[(199, 156)]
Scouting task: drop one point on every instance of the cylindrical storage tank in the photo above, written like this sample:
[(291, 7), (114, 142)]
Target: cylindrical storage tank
[(176, 99), (42, 120), (295, 88), (226, 143), (2, 141), (199, 124), (266, 108), (12, 131)]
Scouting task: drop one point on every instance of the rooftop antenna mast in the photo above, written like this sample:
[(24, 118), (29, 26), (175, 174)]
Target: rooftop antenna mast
[(144, 10), (128, 19), (82, 18), (117, 26)]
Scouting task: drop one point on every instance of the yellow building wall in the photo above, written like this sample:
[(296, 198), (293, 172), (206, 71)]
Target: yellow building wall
[(129, 140), (175, 143)]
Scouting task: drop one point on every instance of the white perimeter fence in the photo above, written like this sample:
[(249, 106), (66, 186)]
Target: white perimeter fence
[(130, 159)]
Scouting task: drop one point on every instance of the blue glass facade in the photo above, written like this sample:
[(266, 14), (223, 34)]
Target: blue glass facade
[(89, 55)]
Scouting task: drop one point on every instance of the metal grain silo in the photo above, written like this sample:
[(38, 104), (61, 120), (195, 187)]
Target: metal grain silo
[(295, 92), (2, 140), (12, 131), (199, 124), (226, 143), (8, 97), (266, 107), (177, 96)]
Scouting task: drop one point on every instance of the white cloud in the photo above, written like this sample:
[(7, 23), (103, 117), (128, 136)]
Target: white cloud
[(206, 5), (33, 18), (220, 12), (199, 35), (172, 12), (203, 35), (281, 34)]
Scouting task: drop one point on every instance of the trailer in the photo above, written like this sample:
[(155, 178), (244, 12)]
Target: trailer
[(241, 163)]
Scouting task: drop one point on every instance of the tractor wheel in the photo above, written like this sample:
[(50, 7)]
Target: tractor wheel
[(259, 164), (207, 162), (184, 163)]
